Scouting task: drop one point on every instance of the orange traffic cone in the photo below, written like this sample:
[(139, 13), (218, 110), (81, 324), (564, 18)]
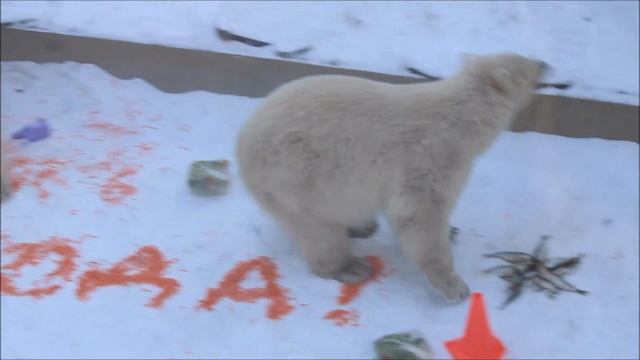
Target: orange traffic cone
[(478, 341)]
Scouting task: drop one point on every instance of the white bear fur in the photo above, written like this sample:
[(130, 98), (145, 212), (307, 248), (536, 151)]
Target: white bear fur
[(326, 153)]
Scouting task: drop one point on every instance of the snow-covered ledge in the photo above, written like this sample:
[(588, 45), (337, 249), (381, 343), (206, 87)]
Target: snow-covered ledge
[(177, 70), (592, 45)]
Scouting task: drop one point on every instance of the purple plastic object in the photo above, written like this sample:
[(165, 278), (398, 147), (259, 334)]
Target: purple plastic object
[(35, 131)]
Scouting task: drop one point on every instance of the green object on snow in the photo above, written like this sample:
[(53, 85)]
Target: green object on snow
[(404, 345), (209, 178)]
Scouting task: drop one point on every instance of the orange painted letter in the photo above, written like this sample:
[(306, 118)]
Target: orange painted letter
[(230, 288), (144, 267), (33, 254)]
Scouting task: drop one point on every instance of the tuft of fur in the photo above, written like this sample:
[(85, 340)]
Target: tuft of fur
[(325, 154)]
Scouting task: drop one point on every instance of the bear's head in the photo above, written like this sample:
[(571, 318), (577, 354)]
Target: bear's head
[(509, 76)]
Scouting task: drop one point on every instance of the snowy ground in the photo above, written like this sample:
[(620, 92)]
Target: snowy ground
[(592, 44), (104, 209)]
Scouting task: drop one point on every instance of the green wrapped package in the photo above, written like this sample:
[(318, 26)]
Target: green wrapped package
[(405, 345), (209, 178)]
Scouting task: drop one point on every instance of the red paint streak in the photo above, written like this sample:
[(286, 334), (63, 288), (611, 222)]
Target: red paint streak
[(104, 165), (230, 288), (146, 148), (111, 128), (145, 267), (53, 162), (20, 171), (41, 177), (33, 254), (114, 191), (342, 317), (351, 291), (26, 170)]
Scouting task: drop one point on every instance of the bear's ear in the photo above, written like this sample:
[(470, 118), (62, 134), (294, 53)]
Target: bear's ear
[(500, 80)]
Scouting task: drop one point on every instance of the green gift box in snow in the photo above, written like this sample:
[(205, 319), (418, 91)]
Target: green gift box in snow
[(405, 345), (209, 178)]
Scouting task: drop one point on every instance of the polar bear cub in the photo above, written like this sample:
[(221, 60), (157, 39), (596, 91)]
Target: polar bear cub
[(326, 154)]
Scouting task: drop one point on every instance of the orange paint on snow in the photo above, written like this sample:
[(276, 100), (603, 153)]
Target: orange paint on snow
[(20, 171), (230, 288), (145, 267), (42, 176), (104, 165), (342, 317), (111, 128), (33, 254), (29, 171), (53, 162), (351, 291), (115, 190), (146, 148)]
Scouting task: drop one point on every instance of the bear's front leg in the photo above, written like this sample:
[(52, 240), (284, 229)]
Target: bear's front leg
[(422, 226)]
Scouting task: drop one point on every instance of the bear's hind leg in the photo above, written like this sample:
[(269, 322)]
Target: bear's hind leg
[(326, 247)]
